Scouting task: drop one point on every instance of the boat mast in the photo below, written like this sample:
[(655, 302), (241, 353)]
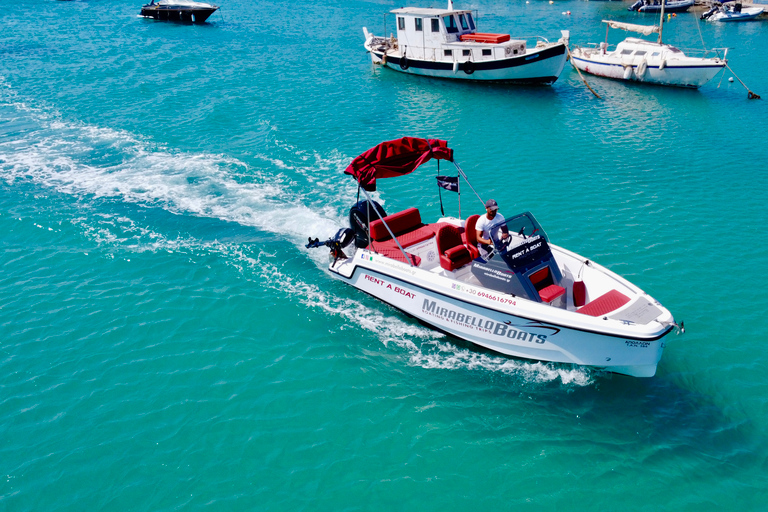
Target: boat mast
[(661, 22)]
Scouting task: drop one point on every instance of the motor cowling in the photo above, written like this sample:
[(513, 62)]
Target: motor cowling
[(359, 219)]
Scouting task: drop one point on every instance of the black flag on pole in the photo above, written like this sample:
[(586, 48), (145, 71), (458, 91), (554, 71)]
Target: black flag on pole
[(448, 183)]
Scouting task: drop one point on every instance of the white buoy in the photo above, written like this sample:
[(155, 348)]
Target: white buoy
[(730, 79)]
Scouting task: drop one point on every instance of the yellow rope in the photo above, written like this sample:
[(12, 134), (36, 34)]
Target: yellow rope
[(570, 57), (750, 94)]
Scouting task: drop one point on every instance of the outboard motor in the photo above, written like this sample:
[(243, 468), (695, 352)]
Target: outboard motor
[(340, 240), (359, 220), (709, 13), (635, 6)]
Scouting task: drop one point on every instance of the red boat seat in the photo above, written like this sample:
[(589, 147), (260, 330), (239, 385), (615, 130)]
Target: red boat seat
[(399, 223), (469, 237), (453, 253), (605, 303), (397, 254), (544, 284)]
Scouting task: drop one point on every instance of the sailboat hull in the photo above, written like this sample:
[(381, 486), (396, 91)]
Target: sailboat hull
[(644, 61)]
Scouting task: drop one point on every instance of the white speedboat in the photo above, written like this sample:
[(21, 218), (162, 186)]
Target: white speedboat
[(444, 43), (178, 10), (646, 61), (736, 12), (525, 297)]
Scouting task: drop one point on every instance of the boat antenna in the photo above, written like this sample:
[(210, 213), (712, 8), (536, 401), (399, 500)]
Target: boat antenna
[(461, 173), (439, 191), (450, 5), (661, 22)]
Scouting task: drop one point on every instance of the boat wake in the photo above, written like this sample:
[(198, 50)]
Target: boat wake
[(100, 165)]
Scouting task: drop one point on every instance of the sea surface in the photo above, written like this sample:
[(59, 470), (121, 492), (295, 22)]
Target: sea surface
[(167, 342)]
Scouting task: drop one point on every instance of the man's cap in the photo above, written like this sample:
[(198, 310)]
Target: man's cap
[(491, 204)]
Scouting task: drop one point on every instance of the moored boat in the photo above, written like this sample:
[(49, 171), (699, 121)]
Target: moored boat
[(735, 12), (659, 5), (521, 295), (178, 10), (644, 61), (445, 43)]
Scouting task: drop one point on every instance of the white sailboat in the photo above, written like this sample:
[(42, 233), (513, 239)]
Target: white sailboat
[(646, 61)]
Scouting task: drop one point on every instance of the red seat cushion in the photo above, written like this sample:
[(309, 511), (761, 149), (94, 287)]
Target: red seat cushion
[(399, 223), (551, 292), (605, 303), (397, 254), (416, 236)]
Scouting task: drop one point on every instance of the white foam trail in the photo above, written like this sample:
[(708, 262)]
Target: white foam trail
[(60, 155)]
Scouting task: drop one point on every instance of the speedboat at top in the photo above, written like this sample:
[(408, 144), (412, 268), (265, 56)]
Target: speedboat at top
[(445, 43), (736, 12), (178, 10), (656, 5), (646, 61), (523, 296)]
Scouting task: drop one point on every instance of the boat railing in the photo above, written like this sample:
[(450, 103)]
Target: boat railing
[(689, 52)]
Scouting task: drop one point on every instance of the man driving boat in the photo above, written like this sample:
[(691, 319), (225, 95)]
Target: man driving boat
[(484, 223)]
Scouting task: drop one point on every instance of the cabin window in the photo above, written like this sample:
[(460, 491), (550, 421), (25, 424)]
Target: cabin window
[(463, 22), (401, 23), (450, 24), (655, 54), (418, 24), (471, 22), (435, 25), (466, 53), (486, 53), (640, 52), (448, 53), (626, 52)]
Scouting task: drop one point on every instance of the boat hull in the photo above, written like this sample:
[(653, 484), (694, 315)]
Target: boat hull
[(498, 322), (173, 13), (535, 67), (746, 14), (672, 74)]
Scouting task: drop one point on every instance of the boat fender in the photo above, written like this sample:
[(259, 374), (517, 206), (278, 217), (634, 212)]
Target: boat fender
[(403, 62), (469, 67), (579, 293), (384, 59), (627, 72), (455, 67), (641, 68), (663, 64)]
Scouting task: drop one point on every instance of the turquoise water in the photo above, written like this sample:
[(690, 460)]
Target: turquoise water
[(167, 343)]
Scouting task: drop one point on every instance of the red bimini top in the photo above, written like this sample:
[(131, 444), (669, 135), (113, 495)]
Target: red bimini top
[(396, 158)]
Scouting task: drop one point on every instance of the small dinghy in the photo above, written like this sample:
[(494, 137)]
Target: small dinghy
[(522, 295), (178, 10)]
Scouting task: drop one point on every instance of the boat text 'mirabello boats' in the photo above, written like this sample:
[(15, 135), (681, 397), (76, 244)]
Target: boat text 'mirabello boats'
[(522, 297), (444, 43)]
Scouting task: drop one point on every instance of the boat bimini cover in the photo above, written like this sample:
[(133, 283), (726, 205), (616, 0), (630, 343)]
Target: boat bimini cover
[(396, 158)]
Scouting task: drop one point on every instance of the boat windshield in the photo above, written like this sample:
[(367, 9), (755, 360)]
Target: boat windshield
[(520, 240)]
